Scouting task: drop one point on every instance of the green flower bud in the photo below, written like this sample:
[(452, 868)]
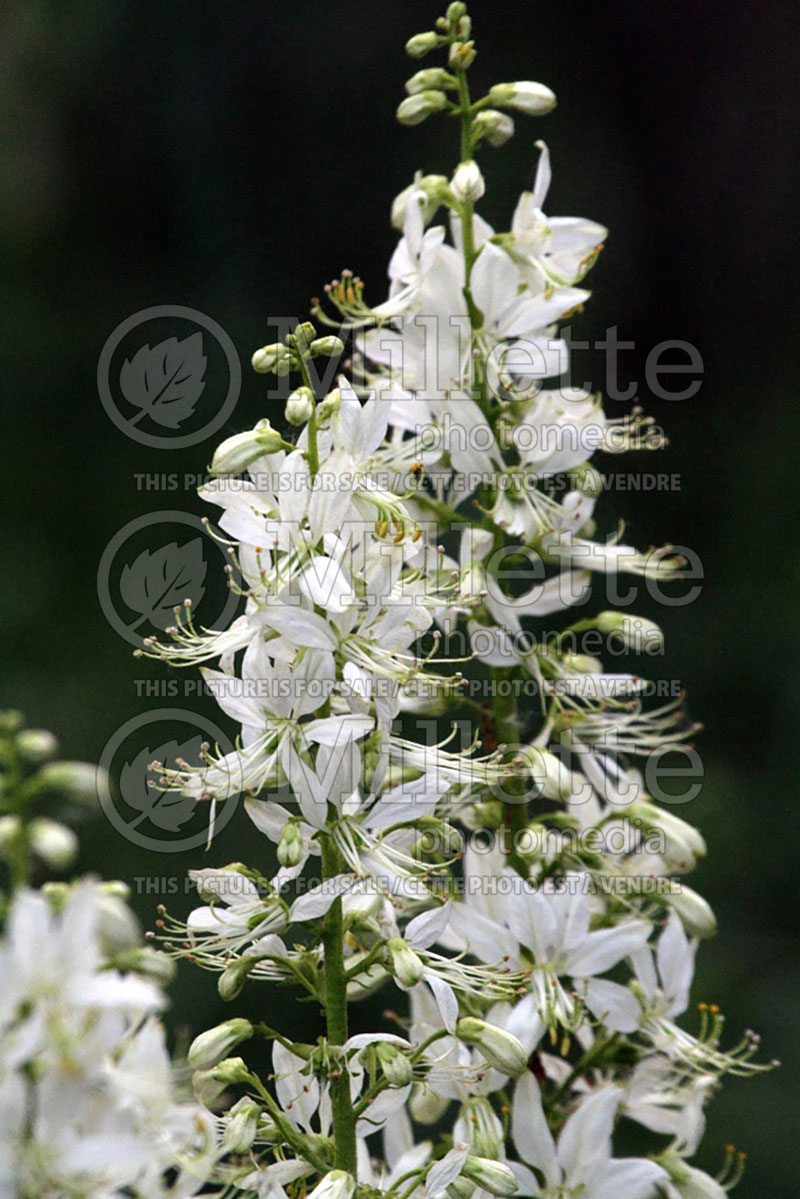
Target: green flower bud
[(460, 1188), (406, 965), (53, 842), (330, 404), (241, 1126), (303, 335), (36, 745), (80, 781), (684, 844), (550, 776), (636, 632), (211, 1046), (231, 1070), (10, 829), (455, 12), (494, 1177), (290, 846), (431, 77), (326, 347), (433, 188), (422, 44), (500, 1048), (362, 985), (425, 1106), (238, 452), (416, 109), (696, 915), (300, 406), (485, 1131), (532, 98), (496, 127), (467, 184), (396, 1067), (269, 357), (233, 977)]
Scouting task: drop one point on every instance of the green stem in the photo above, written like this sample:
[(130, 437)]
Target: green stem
[(344, 1119), (313, 451)]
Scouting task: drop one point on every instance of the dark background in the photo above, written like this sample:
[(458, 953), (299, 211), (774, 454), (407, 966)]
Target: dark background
[(232, 158)]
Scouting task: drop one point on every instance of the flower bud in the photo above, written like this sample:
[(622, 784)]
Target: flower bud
[(326, 347), (500, 1048), (467, 184), (494, 1177), (330, 404), (367, 982), (425, 1106), (696, 915), (396, 1067), (684, 844), (337, 1184), (53, 842), (233, 977), (80, 781), (460, 1188), (532, 98), (290, 846), (241, 1126), (416, 109), (430, 187), (303, 335), (455, 12), (496, 127), (147, 962), (431, 77), (581, 664), (636, 632), (300, 406), (36, 745), (269, 357), (211, 1046), (207, 1087), (231, 1070), (550, 776), (236, 453), (406, 965), (422, 44)]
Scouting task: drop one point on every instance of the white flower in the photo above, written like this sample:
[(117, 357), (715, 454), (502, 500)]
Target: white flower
[(581, 1160)]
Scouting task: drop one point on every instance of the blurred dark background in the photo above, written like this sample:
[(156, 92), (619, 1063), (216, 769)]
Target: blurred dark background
[(232, 158)]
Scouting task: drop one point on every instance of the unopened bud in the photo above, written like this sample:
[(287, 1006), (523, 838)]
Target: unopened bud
[(211, 1046), (269, 357), (496, 127), (303, 335), (431, 188), (407, 966), (330, 404), (300, 406), (467, 184), (430, 77), (636, 632), (550, 776), (36, 745), (290, 846), (534, 99), (695, 913), (684, 844), (396, 1067), (422, 44), (494, 1177), (326, 347), (10, 829), (241, 1126), (426, 1106), (80, 781), (238, 452), (480, 1127), (53, 842), (233, 977), (500, 1048), (416, 109)]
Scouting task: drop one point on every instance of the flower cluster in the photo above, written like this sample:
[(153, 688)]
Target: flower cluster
[(409, 527)]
